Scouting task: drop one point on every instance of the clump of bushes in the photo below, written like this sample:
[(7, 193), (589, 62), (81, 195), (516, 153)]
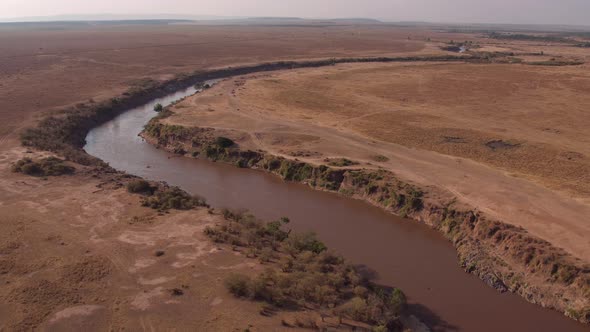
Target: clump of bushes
[(158, 107), (412, 201), (520, 36), (202, 86), (165, 133), (383, 187), (556, 62), (341, 162), (291, 170), (238, 284), (302, 273), (172, 198), (139, 187), (50, 166), (224, 142)]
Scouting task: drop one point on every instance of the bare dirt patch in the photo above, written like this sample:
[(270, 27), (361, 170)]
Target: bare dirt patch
[(72, 260)]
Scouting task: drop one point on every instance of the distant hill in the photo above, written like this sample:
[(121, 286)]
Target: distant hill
[(177, 18), (112, 17)]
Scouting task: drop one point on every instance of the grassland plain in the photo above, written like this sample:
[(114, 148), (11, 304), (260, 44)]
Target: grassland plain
[(47, 72), (56, 229)]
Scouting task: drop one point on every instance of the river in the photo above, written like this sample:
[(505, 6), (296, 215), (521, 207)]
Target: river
[(402, 253)]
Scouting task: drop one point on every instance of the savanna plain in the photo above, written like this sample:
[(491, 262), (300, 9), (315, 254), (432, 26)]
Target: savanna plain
[(483, 136)]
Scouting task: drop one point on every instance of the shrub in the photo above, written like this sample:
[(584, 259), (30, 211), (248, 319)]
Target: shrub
[(341, 162), (355, 308), (397, 301), (224, 142), (27, 166), (50, 166), (139, 186), (238, 284), (415, 202), (158, 108), (297, 243), (172, 198)]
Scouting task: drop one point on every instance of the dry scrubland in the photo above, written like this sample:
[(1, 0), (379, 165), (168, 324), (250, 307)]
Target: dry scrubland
[(121, 253), (79, 249), (78, 252)]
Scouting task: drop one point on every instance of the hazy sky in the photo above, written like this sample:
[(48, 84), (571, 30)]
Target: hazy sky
[(484, 11)]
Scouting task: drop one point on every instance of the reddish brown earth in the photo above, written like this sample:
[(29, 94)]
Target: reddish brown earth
[(79, 252), (74, 252)]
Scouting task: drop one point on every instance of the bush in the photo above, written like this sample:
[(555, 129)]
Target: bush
[(158, 108), (238, 284), (341, 162), (139, 186), (50, 166), (297, 243), (355, 309), (224, 142), (172, 198), (397, 301)]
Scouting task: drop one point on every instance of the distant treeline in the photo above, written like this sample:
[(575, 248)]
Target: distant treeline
[(520, 36)]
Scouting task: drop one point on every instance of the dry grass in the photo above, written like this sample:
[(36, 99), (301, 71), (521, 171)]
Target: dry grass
[(452, 109)]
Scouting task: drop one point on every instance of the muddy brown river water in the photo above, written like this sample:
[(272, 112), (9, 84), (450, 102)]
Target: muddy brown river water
[(401, 252)]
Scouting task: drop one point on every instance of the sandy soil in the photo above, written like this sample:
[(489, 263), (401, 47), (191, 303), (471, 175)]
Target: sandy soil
[(78, 252), (509, 140)]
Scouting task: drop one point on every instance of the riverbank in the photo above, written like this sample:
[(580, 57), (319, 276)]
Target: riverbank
[(507, 258)]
